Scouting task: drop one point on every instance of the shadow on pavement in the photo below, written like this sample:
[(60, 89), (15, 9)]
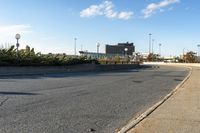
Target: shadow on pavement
[(73, 74), (16, 93)]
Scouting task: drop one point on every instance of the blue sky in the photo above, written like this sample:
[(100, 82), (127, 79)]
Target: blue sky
[(51, 25)]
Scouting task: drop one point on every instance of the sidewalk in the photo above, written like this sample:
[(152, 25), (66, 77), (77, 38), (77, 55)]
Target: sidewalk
[(179, 114)]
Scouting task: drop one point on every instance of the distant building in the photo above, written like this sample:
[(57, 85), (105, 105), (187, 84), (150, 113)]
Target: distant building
[(170, 59), (121, 49), (144, 56)]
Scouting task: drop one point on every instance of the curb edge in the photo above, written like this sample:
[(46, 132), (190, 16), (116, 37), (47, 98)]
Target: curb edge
[(141, 117)]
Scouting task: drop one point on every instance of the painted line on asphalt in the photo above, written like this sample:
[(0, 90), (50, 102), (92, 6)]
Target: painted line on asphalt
[(136, 121)]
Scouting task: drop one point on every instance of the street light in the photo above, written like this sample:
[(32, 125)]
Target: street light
[(98, 45), (81, 47), (126, 49), (75, 45), (198, 49), (17, 36), (160, 48), (184, 54), (150, 43)]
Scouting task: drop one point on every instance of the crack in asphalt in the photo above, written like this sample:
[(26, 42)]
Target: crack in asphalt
[(2, 102)]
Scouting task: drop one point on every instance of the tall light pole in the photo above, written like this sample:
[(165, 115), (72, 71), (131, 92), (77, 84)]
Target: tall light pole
[(98, 45), (198, 49), (183, 54), (81, 47), (150, 43), (75, 45), (17, 36), (160, 48)]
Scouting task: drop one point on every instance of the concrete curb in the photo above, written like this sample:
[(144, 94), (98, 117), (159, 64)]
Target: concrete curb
[(136, 121)]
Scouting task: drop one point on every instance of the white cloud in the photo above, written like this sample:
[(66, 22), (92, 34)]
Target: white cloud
[(91, 11), (125, 15), (151, 8), (105, 9)]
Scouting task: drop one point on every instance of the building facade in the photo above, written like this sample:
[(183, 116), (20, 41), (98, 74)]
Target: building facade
[(121, 49)]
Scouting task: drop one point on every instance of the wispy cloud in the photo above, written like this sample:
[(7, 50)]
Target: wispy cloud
[(106, 9), (7, 32), (153, 7), (188, 8), (125, 15), (13, 29)]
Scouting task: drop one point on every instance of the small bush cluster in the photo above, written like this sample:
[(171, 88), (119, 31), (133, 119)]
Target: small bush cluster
[(28, 57), (115, 60)]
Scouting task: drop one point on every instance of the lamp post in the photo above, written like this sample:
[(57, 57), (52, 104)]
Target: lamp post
[(184, 55), (126, 50), (198, 49), (98, 45), (75, 45), (150, 43), (81, 47), (160, 48), (17, 36)]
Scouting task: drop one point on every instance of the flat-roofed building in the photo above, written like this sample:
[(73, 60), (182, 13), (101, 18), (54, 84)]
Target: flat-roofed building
[(121, 49)]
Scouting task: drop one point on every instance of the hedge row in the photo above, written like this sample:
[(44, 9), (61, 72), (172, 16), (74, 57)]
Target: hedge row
[(27, 57)]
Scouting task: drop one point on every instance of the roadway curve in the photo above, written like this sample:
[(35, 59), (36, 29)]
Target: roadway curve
[(84, 102)]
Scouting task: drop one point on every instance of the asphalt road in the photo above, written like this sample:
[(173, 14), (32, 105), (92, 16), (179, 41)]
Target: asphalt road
[(80, 103)]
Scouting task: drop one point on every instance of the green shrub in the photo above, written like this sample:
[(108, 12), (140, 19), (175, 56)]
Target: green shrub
[(27, 57)]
